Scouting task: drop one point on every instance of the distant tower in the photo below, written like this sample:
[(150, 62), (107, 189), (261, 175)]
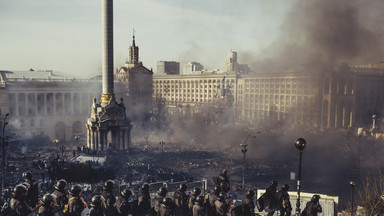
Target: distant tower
[(230, 63), (133, 52), (108, 127)]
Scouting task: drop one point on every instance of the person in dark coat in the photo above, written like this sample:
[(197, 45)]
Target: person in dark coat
[(180, 199), (61, 198), (48, 207), (33, 190), (192, 199), (97, 204), (198, 208), (210, 199), (144, 199), (110, 200), (76, 204), (124, 207), (313, 207), (223, 181), (167, 207), (270, 199), (221, 205), (248, 206), (18, 203), (161, 194), (284, 203)]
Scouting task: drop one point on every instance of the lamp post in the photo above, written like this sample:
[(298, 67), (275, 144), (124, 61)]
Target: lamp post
[(352, 184), (244, 151), (374, 118), (4, 154), (300, 145), (162, 143)]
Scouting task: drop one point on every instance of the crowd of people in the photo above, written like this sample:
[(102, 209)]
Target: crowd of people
[(25, 201)]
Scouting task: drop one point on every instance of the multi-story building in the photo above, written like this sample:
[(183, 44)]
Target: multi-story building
[(168, 68)]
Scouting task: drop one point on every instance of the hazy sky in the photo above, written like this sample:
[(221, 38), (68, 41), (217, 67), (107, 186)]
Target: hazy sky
[(65, 35)]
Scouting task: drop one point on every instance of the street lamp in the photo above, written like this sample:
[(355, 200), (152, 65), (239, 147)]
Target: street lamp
[(162, 143), (4, 154), (352, 184), (244, 151), (374, 118), (300, 145)]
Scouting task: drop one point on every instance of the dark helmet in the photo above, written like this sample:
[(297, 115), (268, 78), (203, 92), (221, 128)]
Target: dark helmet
[(126, 193), (19, 191), (183, 187), (61, 184), (222, 196), (199, 199), (27, 175), (224, 172), (250, 193), (216, 189), (108, 185), (196, 191), (162, 191), (274, 183), (145, 187), (75, 190), (97, 201), (167, 203), (285, 187), (315, 198), (47, 199)]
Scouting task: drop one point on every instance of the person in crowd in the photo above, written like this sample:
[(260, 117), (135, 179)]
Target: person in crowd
[(110, 200), (198, 208), (180, 199), (61, 197), (284, 203), (124, 207), (223, 181), (161, 194), (18, 203), (33, 190), (192, 199), (270, 199), (144, 199), (167, 207), (221, 205), (248, 206), (47, 207), (210, 199), (76, 204), (97, 204), (312, 207)]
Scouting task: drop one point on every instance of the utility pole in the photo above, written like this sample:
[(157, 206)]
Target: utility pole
[(4, 154)]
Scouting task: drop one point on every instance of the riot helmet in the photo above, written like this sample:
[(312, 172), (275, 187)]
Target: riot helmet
[(250, 193), (196, 191), (162, 191), (47, 199), (285, 187), (200, 200), (167, 203), (315, 198), (274, 183), (60, 185), (224, 172), (75, 190), (108, 185), (97, 201), (216, 189), (182, 187), (19, 191), (126, 193), (145, 187), (27, 175), (222, 196)]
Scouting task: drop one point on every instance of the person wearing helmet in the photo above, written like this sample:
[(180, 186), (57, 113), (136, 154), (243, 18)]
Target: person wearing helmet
[(198, 207), (124, 207), (33, 190), (221, 205), (144, 199), (210, 199), (96, 206), (110, 200), (47, 207), (61, 197), (284, 203), (270, 199), (313, 207), (76, 203), (18, 203), (248, 206), (223, 181), (192, 199), (161, 194), (167, 207), (180, 199)]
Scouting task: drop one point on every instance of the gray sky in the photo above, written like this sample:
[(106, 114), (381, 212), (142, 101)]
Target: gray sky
[(65, 35)]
